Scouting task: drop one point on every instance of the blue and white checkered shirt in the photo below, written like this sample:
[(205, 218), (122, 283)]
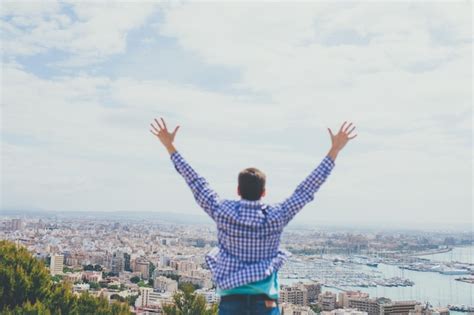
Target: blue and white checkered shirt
[(249, 232)]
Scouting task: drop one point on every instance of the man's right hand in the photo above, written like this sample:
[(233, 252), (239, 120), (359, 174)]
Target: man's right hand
[(340, 139), (166, 137)]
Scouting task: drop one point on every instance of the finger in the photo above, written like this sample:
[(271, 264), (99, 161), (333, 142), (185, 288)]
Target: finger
[(153, 133), (330, 132), (164, 124), (350, 138), (347, 128), (351, 130), (158, 123), (175, 130), (153, 126), (342, 127)]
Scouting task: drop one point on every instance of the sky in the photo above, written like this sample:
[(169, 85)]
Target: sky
[(250, 84)]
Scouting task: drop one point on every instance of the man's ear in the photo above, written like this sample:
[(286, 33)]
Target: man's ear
[(238, 191), (263, 193)]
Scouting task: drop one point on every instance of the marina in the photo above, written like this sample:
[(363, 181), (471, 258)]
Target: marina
[(342, 273)]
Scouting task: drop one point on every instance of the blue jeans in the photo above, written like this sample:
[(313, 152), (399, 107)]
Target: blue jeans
[(247, 306)]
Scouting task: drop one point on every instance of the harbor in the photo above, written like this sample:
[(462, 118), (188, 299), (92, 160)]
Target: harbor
[(344, 273)]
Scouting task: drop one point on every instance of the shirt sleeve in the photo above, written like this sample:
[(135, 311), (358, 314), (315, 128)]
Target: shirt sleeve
[(304, 193), (205, 196)]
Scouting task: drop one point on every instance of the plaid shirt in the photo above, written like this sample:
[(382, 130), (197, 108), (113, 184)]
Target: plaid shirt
[(249, 232)]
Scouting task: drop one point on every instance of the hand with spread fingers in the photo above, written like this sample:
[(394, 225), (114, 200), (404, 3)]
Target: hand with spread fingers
[(340, 139), (162, 133)]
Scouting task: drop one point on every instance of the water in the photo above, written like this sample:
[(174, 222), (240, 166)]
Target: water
[(438, 289), (461, 254)]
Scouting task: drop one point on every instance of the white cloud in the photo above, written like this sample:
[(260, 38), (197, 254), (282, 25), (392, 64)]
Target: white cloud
[(96, 29)]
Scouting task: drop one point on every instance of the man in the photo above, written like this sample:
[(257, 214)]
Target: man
[(246, 263)]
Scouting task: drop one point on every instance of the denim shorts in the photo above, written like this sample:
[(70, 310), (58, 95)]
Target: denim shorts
[(248, 305)]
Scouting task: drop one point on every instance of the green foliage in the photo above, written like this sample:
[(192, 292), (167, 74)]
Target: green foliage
[(56, 278), (315, 308), (135, 279), (142, 283), (27, 288), (94, 285), (117, 297), (188, 285), (187, 302), (67, 269), (22, 278), (131, 299)]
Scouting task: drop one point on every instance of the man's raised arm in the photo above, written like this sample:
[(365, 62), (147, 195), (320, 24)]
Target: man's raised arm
[(306, 190), (205, 197)]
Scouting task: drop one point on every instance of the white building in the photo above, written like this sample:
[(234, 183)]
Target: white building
[(210, 295), (56, 265), (344, 311), (296, 294), (327, 301), (150, 298), (345, 296), (163, 284), (291, 309)]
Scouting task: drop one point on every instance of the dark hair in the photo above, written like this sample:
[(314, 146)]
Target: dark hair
[(251, 183)]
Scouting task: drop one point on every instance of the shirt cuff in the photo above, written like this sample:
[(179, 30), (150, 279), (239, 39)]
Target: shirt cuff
[(330, 161), (174, 156)]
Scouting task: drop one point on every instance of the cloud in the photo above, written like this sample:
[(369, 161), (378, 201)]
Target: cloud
[(88, 31)]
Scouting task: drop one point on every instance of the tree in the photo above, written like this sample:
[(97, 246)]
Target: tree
[(117, 297), (151, 269), (315, 308), (94, 285), (187, 302), (135, 279), (27, 288)]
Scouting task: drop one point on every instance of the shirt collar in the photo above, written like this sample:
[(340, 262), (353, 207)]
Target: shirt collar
[(252, 204)]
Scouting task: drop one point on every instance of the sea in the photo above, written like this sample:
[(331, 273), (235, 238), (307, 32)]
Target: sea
[(438, 289)]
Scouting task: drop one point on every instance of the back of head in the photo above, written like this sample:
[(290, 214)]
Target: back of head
[(251, 183)]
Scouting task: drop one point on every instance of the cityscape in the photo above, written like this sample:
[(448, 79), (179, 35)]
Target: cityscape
[(143, 260)]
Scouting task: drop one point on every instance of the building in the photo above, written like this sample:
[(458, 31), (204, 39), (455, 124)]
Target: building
[(163, 284), (428, 310), (382, 306), (370, 306), (72, 277), (203, 283), (150, 298), (16, 224), (343, 300), (92, 276), (314, 289), (117, 262), (344, 311), (327, 301), (397, 307), (291, 309), (126, 262), (184, 266), (296, 294), (209, 294), (56, 265), (143, 267)]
